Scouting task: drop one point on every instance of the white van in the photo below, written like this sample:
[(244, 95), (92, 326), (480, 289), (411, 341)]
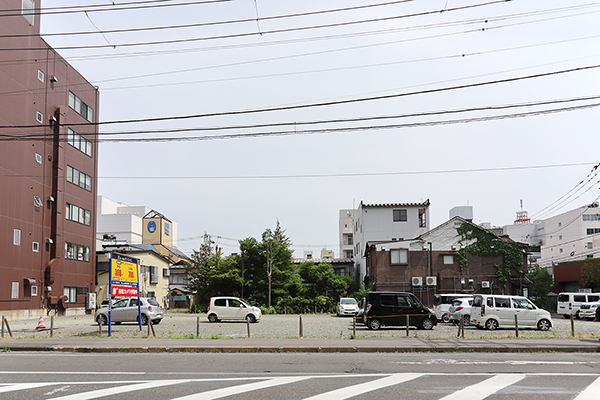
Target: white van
[(442, 303), (570, 302), (492, 311)]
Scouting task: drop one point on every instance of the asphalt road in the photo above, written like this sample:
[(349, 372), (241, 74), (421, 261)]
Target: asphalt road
[(300, 376)]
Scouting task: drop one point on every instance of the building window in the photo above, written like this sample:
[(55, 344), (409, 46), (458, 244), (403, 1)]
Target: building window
[(591, 217), (593, 231), (79, 142), (35, 247), (560, 250), (15, 290), (559, 224), (448, 259), (77, 252), (400, 215), (38, 158), (78, 178), (37, 201), (399, 256), (71, 293), (17, 237), (80, 107), (28, 11), (422, 218), (153, 274), (40, 76), (39, 117), (589, 245), (78, 214), (590, 256), (34, 290), (350, 240), (559, 237)]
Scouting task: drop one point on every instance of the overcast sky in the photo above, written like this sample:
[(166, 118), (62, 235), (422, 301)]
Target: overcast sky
[(418, 57)]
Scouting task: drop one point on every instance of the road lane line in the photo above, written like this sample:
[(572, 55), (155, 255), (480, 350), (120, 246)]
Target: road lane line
[(483, 389), (355, 390), (239, 389), (591, 392), (93, 394), (13, 387)]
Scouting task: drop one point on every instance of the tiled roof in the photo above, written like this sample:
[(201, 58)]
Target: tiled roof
[(389, 205)]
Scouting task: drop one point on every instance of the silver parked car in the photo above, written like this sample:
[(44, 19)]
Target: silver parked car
[(460, 308), (126, 310)]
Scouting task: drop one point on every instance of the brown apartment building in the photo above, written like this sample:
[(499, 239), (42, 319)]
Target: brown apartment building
[(48, 169)]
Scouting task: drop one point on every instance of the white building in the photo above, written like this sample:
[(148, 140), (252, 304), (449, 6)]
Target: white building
[(346, 238), (573, 235), (123, 223), (385, 222)]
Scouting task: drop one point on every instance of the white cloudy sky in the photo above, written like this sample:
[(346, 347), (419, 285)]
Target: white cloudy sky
[(237, 187)]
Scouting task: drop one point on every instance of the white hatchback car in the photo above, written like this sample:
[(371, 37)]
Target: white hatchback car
[(460, 308), (347, 306), (231, 308)]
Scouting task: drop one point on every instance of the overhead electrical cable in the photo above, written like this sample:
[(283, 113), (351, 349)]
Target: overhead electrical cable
[(254, 33), (319, 122), (109, 7), (329, 103), (215, 23)]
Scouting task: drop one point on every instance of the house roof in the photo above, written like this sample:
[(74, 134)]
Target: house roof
[(390, 205)]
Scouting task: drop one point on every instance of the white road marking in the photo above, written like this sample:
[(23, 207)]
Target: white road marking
[(12, 387), (355, 390), (486, 388), (239, 389), (507, 362), (591, 392), (121, 389)]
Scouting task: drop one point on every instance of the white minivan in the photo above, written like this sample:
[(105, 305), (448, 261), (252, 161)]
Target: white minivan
[(570, 302), (492, 311)]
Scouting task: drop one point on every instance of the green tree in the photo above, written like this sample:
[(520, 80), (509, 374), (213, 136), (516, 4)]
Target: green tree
[(268, 269), (591, 273), (542, 284), (199, 270)]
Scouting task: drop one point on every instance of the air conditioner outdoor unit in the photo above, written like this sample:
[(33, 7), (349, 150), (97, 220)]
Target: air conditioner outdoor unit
[(485, 284), (431, 280), (417, 281)]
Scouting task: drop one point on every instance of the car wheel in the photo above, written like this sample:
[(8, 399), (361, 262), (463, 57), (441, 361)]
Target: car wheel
[(445, 318), (213, 318), (251, 318), (491, 324), (374, 324), (102, 320), (144, 320), (466, 319), (427, 324), (543, 325)]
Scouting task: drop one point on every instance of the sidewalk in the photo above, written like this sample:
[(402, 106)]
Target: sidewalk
[(364, 345)]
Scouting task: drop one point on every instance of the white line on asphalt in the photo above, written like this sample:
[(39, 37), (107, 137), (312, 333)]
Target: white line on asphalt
[(483, 389), (12, 387), (355, 390), (94, 394), (590, 392), (507, 362), (230, 391)]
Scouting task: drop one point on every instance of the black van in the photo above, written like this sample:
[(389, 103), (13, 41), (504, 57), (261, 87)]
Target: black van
[(391, 309)]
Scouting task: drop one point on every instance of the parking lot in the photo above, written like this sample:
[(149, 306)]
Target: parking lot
[(279, 327)]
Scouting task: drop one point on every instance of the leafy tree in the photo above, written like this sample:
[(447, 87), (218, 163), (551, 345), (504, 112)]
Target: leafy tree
[(199, 270), (591, 273), (543, 283)]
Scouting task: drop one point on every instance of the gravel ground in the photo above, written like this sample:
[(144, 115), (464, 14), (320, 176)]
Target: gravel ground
[(279, 327)]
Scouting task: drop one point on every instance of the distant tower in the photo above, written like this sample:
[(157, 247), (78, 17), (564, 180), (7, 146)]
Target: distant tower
[(522, 217)]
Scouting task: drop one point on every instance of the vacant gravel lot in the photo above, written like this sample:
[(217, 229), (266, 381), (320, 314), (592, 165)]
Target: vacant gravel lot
[(278, 326)]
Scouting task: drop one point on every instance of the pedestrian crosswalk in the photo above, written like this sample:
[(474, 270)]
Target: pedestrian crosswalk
[(435, 386)]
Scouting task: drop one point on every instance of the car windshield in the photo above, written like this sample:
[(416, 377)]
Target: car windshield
[(348, 301), (244, 303)]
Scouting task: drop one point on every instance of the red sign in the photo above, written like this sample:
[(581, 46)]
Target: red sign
[(124, 291)]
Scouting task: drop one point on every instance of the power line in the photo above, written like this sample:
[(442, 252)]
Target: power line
[(318, 122), (331, 103), (249, 34), (340, 175)]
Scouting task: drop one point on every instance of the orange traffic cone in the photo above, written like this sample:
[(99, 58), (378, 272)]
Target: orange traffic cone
[(40, 325)]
